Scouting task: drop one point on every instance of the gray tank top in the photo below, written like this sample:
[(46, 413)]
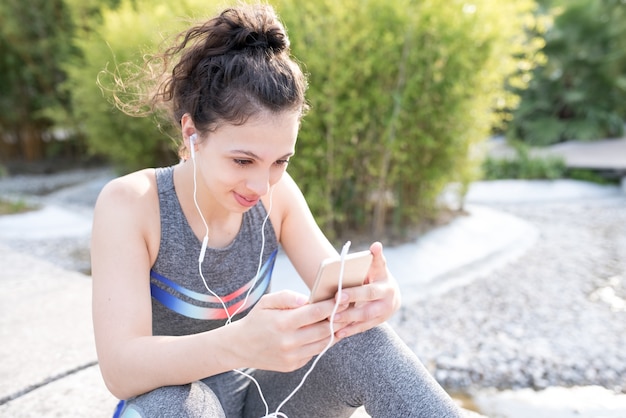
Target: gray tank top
[(181, 304)]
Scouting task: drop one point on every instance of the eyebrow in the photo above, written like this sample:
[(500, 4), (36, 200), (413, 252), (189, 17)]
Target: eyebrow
[(253, 155)]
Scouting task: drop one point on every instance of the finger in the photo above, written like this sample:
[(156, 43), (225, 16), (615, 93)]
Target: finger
[(372, 311), (298, 357), (378, 268), (312, 313), (355, 328), (307, 352), (312, 341), (367, 293), (320, 331), (285, 299), (376, 248)]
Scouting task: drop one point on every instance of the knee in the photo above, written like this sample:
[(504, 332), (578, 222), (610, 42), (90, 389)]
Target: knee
[(380, 337), (377, 347), (188, 401)]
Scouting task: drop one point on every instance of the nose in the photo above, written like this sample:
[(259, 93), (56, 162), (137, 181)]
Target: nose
[(259, 184)]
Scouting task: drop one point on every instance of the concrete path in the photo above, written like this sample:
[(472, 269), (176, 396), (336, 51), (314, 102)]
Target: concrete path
[(607, 155), (48, 366)]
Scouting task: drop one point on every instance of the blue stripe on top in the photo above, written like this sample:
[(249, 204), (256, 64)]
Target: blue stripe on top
[(165, 291), (181, 304)]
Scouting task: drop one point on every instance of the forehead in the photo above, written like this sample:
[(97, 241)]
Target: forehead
[(266, 134)]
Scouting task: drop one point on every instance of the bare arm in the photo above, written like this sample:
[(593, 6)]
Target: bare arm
[(124, 241), (301, 238), (306, 246)]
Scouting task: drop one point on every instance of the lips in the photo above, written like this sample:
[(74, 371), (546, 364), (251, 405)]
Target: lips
[(244, 201)]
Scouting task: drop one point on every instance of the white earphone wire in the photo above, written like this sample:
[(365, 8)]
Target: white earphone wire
[(260, 265), (344, 252), (205, 240)]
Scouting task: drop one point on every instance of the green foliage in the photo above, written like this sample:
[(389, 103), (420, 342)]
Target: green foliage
[(591, 176), (113, 46), (87, 12), (524, 165), (531, 164), (580, 92), (401, 92), (34, 40)]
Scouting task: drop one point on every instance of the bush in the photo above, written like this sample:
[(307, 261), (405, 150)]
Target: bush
[(580, 92), (34, 39), (524, 165), (113, 46), (401, 92), (593, 176)]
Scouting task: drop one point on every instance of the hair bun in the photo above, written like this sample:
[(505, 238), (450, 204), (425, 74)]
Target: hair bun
[(259, 28), (273, 39)]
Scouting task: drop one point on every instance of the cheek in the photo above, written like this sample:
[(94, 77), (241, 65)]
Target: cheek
[(276, 175), (218, 175)]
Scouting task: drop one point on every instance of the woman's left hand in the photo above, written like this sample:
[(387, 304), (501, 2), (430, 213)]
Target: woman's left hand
[(370, 304)]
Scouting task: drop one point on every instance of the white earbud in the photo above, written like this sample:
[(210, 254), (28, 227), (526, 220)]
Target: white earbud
[(192, 140)]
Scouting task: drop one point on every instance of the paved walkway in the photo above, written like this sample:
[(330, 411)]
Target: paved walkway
[(605, 155), (49, 365), (609, 154), (48, 356)]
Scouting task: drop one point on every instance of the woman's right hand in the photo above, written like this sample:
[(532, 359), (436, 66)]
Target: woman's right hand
[(283, 332)]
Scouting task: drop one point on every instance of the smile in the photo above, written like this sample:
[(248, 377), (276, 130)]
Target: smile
[(244, 201)]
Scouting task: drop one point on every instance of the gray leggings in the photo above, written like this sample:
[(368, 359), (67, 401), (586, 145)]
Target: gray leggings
[(374, 368)]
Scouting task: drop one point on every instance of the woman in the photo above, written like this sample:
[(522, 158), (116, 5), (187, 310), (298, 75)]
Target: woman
[(182, 258)]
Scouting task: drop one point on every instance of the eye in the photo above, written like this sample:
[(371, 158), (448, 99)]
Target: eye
[(242, 162), (281, 162)]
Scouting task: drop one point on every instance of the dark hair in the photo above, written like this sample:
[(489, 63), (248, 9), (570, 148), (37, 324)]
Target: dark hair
[(231, 68)]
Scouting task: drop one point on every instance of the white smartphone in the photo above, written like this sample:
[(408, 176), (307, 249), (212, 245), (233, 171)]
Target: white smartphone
[(327, 282)]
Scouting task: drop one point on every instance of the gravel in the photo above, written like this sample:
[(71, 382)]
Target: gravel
[(556, 316)]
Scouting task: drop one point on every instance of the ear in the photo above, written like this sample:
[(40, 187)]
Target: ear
[(187, 128)]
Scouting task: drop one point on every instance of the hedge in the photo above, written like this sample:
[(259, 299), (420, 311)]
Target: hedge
[(403, 92)]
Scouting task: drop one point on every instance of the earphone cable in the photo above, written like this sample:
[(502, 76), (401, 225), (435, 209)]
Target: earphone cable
[(260, 265), (344, 252), (205, 240)]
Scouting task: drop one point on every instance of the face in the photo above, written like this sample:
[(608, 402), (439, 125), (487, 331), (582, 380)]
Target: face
[(239, 164)]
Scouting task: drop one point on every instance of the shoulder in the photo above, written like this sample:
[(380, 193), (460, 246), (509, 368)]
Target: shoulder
[(131, 198), (132, 194), (127, 212), (129, 188)]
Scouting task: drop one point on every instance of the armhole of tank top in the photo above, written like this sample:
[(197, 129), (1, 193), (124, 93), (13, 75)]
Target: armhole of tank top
[(159, 173)]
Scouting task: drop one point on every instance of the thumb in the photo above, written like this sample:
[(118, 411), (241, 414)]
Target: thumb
[(285, 299), (378, 268)]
